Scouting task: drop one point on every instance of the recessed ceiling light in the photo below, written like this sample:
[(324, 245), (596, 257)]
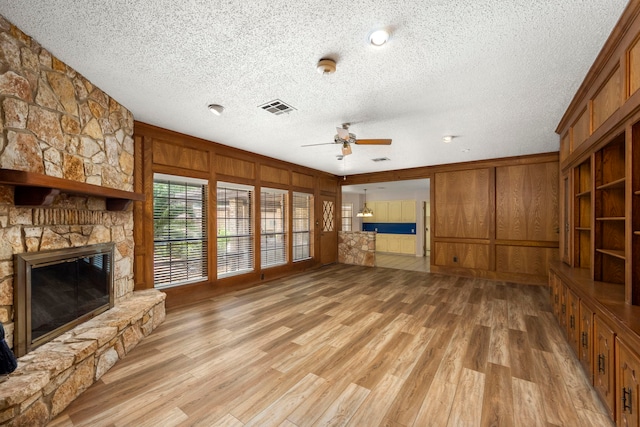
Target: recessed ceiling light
[(378, 37), (447, 139), (216, 109)]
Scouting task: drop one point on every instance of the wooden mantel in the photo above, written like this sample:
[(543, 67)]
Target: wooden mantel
[(35, 189)]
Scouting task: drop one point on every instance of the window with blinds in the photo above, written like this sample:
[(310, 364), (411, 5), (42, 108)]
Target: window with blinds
[(273, 239), (179, 230), (347, 217), (235, 229), (302, 219)]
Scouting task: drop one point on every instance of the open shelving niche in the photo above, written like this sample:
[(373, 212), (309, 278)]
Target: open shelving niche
[(582, 212), (609, 211)]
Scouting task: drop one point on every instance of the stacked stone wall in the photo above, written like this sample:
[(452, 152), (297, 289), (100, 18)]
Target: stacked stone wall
[(55, 122)]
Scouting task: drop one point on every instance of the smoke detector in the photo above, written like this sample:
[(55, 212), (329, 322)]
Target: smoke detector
[(326, 66)]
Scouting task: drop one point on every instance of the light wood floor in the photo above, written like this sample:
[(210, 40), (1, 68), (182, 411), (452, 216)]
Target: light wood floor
[(349, 345), (403, 262)]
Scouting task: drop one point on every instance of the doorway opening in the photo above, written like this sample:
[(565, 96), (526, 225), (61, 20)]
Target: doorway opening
[(401, 219)]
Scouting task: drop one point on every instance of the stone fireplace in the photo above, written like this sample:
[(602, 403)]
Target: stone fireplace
[(61, 130), (59, 289)]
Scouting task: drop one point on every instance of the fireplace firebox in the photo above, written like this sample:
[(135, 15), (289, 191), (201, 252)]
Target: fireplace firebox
[(58, 289)]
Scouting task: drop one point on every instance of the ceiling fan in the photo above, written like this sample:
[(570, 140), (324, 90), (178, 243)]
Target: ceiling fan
[(346, 138)]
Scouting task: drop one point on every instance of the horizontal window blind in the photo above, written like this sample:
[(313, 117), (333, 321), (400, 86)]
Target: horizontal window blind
[(347, 217), (273, 241), (302, 208), (179, 230), (235, 229)]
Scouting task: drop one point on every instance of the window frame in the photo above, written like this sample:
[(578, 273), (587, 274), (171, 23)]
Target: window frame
[(245, 261), (266, 249), (197, 243), (347, 217), (296, 233)]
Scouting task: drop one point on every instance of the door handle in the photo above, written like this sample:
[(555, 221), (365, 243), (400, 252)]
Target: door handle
[(626, 399), (601, 364)]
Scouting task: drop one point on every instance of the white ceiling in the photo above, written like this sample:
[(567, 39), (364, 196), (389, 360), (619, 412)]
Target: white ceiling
[(496, 74)]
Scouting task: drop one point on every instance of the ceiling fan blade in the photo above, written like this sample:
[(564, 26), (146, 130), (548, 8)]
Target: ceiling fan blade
[(313, 145), (373, 141), (343, 133)]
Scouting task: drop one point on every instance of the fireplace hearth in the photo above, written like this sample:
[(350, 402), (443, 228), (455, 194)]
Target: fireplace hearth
[(58, 289)]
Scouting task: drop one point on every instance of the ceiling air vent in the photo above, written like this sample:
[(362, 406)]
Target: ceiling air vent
[(277, 107), (381, 159)]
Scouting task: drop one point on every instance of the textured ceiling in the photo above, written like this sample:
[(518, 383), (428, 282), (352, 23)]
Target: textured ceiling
[(496, 74)]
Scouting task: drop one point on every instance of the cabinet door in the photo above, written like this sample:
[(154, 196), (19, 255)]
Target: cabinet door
[(562, 318), (380, 211), (382, 243), (628, 387), (395, 211), (408, 211), (555, 295), (603, 369), (586, 339), (394, 243), (573, 311), (408, 245)]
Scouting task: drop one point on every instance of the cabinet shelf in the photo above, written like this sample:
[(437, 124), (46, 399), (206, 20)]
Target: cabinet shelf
[(612, 252), (637, 233), (618, 183), (35, 189), (583, 229), (584, 194), (637, 193), (611, 218)]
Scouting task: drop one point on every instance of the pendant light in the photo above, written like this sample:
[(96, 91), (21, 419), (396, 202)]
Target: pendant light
[(365, 211)]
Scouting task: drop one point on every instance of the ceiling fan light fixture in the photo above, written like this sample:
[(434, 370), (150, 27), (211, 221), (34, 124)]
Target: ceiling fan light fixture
[(346, 149), (379, 37), (216, 109)]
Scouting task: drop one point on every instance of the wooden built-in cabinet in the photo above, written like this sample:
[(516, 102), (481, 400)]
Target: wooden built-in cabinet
[(600, 186), (397, 211), (394, 211), (596, 336), (609, 209), (604, 369), (628, 385), (585, 352), (573, 314), (396, 243)]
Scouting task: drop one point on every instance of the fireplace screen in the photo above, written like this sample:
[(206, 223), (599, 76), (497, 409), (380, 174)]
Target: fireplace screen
[(59, 289)]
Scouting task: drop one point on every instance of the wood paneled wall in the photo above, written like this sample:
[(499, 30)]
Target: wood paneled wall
[(496, 218), (500, 222), (161, 151), (464, 213), (608, 95)]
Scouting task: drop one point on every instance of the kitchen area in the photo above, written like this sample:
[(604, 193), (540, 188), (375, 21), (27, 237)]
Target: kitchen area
[(399, 214)]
